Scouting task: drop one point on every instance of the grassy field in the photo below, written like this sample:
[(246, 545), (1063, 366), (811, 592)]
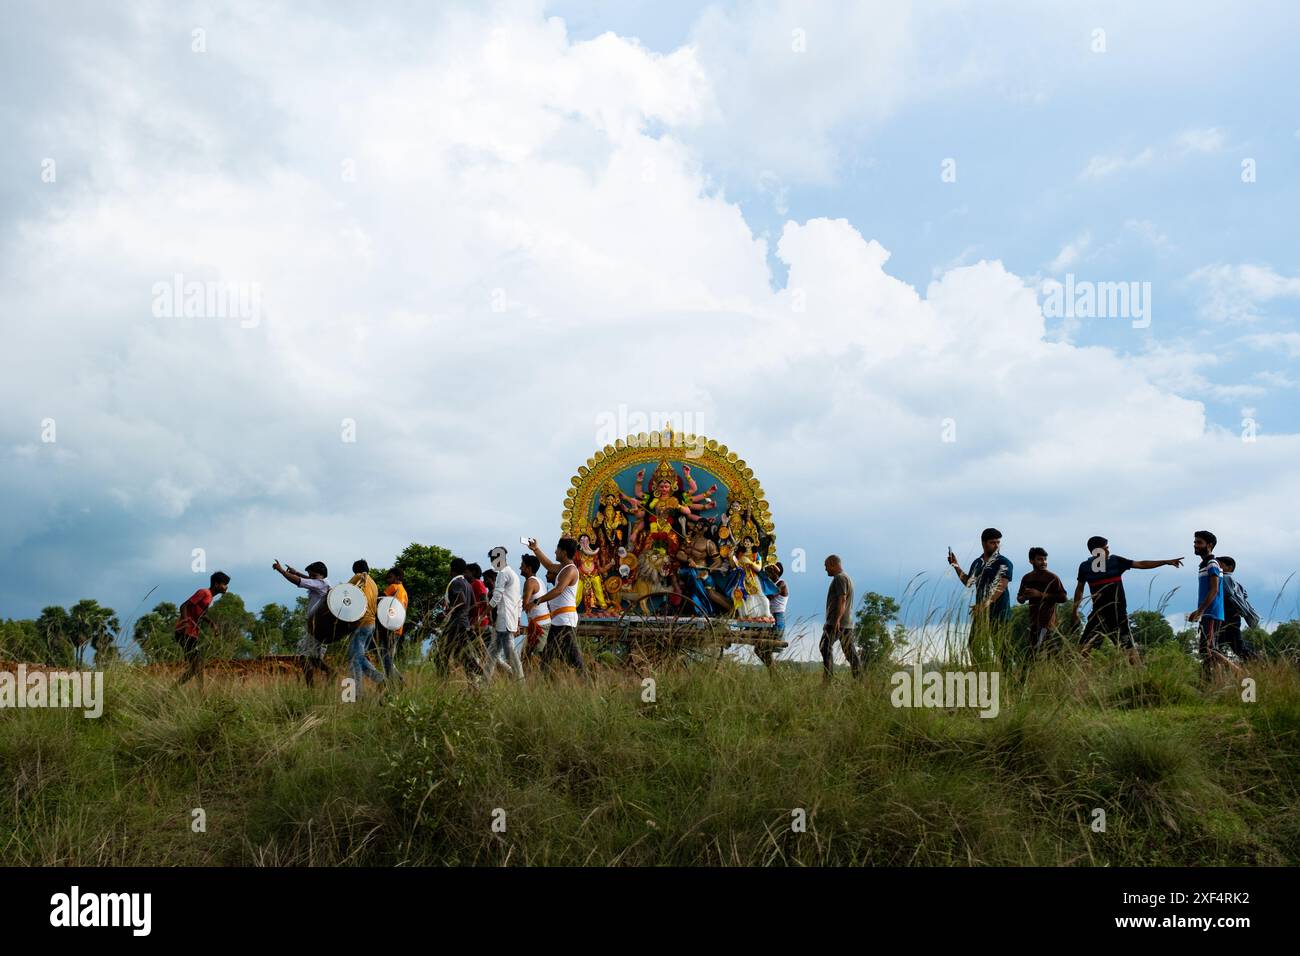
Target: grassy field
[(709, 773)]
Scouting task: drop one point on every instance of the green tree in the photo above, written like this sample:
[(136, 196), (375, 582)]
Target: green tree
[(94, 626), (1284, 641), (153, 633), (21, 641), (276, 629), (228, 628), (1151, 629), (426, 571), (55, 628), (875, 628)]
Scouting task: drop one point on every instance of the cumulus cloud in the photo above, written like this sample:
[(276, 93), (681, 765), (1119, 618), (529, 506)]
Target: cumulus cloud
[(473, 238)]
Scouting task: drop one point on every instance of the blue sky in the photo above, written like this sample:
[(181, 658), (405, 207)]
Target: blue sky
[(554, 209)]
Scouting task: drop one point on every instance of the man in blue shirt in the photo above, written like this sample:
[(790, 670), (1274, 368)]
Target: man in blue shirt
[(990, 574), (1209, 612)]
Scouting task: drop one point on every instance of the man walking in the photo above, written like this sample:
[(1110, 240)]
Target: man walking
[(316, 583), (1236, 606), (393, 638), (562, 640), (839, 620), (539, 617), (457, 641), (1209, 612), (193, 612), (506, 603), (1109, 615), (359, 643)]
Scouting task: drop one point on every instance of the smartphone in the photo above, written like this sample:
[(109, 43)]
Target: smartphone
[(524, 541)]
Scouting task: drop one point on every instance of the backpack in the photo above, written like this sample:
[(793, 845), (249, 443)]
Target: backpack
[(1234, 597)]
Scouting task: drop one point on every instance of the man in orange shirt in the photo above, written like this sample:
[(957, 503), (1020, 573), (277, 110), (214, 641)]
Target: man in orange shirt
[(396, 588)]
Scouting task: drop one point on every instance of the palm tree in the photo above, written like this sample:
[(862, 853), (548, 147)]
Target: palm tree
[(93, 625), (55, 627)]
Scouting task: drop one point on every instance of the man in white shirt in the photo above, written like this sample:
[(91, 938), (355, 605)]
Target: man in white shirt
[(317, 585), (506, 599)]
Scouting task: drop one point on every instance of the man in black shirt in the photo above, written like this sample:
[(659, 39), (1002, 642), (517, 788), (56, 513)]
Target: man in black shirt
[(1043, 590), (1109, 616), (457, 642)]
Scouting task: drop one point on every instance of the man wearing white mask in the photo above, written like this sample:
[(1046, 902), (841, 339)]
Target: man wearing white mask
[(507, 601)]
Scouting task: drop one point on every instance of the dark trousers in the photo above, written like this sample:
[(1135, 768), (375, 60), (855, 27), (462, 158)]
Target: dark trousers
[(844, 635), (388, 644), (1102, 625), (457, 646), (562, 642), (193, 656), (1230, 635)]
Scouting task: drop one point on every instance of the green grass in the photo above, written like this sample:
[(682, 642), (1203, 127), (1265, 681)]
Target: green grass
[(707, 774)]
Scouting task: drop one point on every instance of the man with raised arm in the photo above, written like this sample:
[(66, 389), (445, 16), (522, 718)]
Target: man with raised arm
[(1109, 615), (990, 575), (562, 641)]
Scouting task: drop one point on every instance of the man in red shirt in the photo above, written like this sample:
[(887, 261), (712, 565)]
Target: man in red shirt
[(187, 626)]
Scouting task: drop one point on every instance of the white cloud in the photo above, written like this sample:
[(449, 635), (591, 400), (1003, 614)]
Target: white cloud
[(522, 168), (1236, 292), (1188, 142), (1100, 167), (1287, 343), (1070, 253), (1146, 230), (1210, 140)]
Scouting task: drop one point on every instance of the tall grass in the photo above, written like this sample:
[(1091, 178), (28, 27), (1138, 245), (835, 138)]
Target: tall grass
[(714, 771)]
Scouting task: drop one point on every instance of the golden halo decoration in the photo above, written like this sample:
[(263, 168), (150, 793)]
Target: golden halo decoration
[(647, 450)]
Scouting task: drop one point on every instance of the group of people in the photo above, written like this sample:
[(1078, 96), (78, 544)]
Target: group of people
[(491, 613), (1222, 603), (484, 612)]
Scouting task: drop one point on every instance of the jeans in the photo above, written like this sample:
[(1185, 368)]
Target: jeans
[(358, 663), (502, 651)]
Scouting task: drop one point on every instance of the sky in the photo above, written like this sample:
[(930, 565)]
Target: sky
[(838, 238)]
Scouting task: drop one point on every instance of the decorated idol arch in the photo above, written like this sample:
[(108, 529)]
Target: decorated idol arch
[(671, 520)]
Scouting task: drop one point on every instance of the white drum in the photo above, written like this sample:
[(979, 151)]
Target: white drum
[(390, 613), (347, 602)]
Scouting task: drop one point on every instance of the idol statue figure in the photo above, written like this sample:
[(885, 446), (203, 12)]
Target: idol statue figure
[(591, 593), (663, 507), (611, 521), (748, 597), (699, 550), (740, 520)]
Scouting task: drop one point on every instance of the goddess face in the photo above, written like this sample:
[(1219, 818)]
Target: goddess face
[(664, 487)]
